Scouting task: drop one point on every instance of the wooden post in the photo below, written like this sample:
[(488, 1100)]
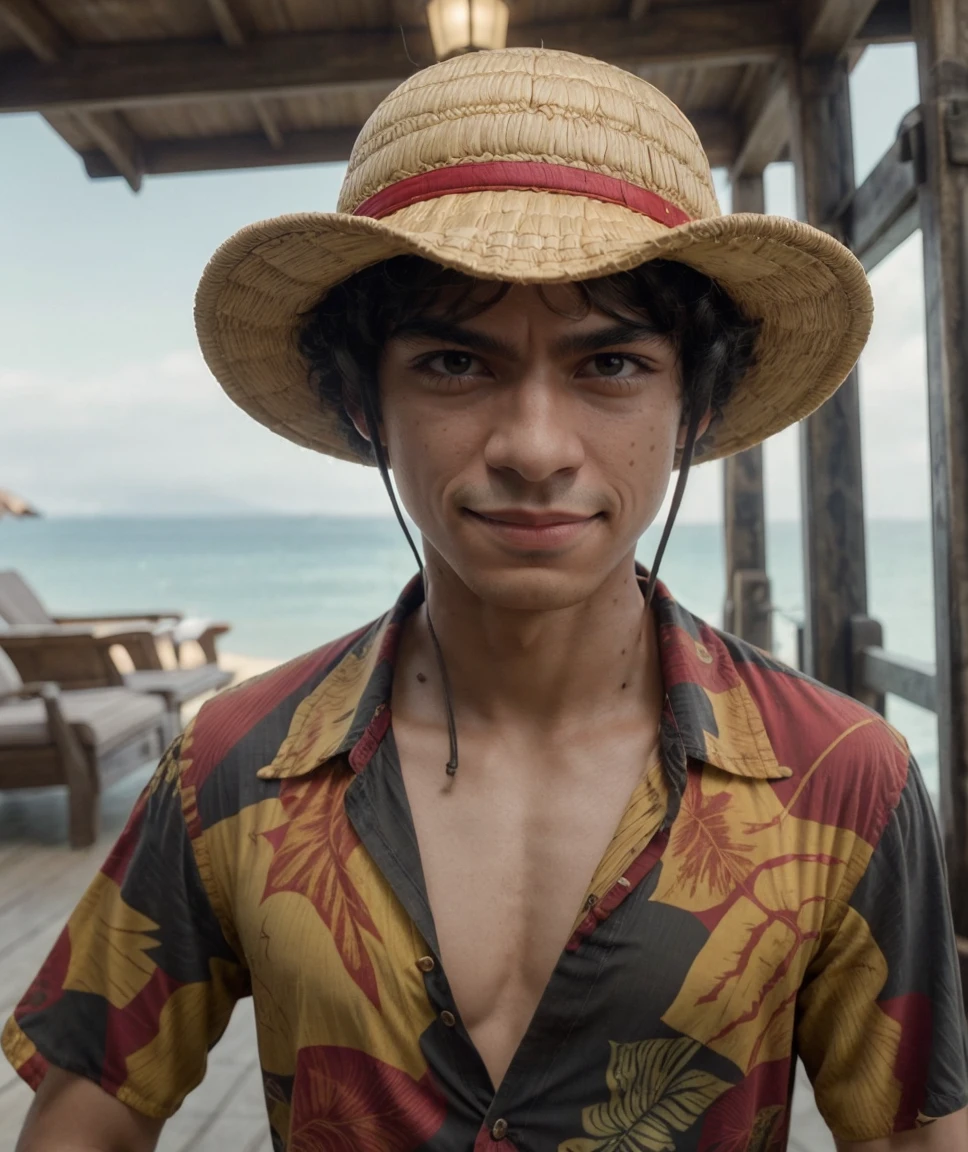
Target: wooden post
[(830, 447), (941, 31), (747, 611)]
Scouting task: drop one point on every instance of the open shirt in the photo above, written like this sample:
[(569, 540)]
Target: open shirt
[(775, 888)]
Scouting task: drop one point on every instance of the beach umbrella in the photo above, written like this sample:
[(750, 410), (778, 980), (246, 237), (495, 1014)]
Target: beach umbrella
[(12, 505)]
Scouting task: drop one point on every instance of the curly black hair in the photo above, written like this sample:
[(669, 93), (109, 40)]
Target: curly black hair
[(343, 336)]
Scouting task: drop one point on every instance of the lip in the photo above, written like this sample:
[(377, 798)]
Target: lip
[(533, 530)]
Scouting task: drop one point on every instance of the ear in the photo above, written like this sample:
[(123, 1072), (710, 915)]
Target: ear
[(700, 432), (355, 412)]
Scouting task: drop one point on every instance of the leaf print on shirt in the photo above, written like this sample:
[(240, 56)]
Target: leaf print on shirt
[(702, 837), (767, 1130), (344, 1100), (654, 1094), (310, 854)]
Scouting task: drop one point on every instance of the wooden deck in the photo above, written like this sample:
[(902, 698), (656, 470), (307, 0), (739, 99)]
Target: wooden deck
[(40, 882)]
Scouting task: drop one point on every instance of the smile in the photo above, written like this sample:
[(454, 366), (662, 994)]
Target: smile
[(533, 530)]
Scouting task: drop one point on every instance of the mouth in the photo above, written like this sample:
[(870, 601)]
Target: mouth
[(534, 530)]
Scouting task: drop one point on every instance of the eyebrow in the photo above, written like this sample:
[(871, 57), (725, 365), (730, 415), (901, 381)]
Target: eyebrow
[(434, 328)]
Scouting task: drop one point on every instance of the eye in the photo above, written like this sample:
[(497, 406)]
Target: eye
[(452, 363), (613, 365)]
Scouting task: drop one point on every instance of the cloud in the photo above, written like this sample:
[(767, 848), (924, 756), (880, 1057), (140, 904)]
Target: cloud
[(161, 436)]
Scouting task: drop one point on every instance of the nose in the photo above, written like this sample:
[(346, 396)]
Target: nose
[(535, 432)]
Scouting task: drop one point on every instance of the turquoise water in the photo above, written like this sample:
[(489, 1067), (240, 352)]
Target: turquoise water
[(289, 583)]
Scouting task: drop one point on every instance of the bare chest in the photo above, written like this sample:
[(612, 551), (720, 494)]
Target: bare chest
[(508, 851)]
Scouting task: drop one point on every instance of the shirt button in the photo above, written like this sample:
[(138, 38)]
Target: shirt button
[(426, 963), (448, 1019), (500, 1130)]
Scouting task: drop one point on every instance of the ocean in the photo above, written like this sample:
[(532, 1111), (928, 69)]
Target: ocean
[(287, 584)]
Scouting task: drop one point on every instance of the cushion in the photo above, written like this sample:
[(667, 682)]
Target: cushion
[(9, 676), (18, 604), (102, 718), (178, 685)]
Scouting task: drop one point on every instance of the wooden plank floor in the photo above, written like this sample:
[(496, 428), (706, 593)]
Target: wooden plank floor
[(40, 882)]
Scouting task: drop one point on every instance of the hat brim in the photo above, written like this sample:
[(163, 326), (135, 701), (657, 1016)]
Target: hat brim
[(808, 291)]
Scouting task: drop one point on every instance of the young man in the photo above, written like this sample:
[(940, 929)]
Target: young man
[(538, 860)]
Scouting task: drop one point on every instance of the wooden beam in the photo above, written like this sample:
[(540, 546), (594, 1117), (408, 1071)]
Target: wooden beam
[(228, 24), (888, 673), (767, 125), (719, 133), (830, 26), (889, 23), (34, 29), (320, 146), (747, 608), (204, 154), (941, 31), (109, 130), (884, 211), (268, 122), (834, 550), (234, 36), (638, 9), (866, 635), (111, 133), (120, 75)]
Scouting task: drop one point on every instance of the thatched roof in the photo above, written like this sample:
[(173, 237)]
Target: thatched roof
[(158, 86)]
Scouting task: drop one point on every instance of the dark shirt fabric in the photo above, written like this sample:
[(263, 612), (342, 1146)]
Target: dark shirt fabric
[(775, 888)]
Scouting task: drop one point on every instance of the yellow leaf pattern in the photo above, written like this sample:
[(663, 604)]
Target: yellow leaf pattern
[(766, 1129), (654, 1093)]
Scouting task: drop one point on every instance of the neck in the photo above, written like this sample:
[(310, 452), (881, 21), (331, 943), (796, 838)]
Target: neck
[(548, 668)]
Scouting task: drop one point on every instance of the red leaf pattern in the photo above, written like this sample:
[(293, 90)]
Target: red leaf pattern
[(346, 1101), (311, 851), (702, 838)]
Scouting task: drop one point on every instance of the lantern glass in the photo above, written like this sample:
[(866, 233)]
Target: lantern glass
[(458, 26)]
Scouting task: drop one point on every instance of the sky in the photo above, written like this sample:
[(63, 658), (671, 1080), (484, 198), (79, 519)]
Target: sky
[(107, 407)]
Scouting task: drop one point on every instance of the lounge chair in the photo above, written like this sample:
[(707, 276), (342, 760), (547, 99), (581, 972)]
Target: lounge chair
[(74, 657), (84, 740), (20, 605)]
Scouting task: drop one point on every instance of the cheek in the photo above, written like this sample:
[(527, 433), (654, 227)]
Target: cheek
[(638, 461), (427, 451)]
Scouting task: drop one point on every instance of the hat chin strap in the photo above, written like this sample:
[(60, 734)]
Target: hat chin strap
[(685, 463), (373, 430)]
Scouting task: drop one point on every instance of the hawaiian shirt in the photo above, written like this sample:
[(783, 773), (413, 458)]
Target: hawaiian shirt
[(774, 889)]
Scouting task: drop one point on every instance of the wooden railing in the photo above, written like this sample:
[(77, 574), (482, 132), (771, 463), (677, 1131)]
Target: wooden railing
[(876, 672)]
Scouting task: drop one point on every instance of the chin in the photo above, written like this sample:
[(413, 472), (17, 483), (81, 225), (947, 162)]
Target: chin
[(530, 587)]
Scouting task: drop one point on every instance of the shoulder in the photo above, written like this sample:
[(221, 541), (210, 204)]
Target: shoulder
[(847, 765), (242, 729)]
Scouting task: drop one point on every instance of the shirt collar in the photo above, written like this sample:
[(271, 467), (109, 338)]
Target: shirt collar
[(708, 703)]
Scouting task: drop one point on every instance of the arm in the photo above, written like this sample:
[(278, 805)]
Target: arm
[(71, 1114), (949, 1134), (881, 1019)]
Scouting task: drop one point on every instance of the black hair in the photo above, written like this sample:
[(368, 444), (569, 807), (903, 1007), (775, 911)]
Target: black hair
[(343, 336)]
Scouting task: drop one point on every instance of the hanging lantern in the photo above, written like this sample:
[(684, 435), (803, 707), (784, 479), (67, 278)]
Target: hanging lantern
[(458, 26)]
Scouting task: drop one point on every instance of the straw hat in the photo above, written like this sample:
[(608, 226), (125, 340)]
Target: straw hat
[(532, 166)]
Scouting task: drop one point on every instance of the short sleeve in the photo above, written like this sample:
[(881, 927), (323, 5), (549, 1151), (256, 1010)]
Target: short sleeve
[(881, 1022), (142, 981)]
